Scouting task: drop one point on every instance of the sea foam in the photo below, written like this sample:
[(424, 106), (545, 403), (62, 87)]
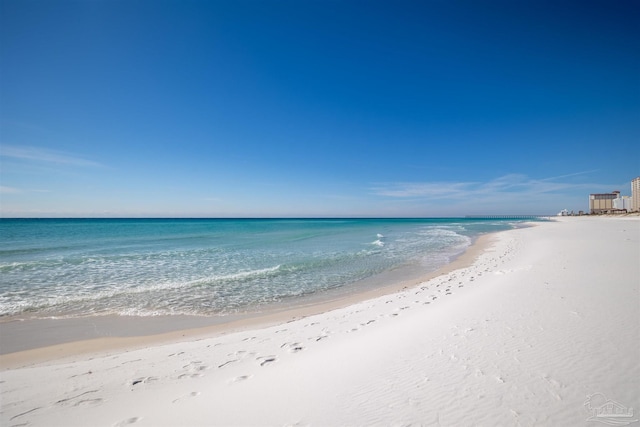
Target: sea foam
[(206, 267)]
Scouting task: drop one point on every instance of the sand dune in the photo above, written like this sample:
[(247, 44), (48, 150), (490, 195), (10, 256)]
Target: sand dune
[(545, 318)]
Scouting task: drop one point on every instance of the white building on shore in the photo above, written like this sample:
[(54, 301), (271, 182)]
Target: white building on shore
[(614, 202), (635, 195), (622, 203)]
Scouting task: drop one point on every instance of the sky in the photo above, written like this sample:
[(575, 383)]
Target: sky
[(315, 108)]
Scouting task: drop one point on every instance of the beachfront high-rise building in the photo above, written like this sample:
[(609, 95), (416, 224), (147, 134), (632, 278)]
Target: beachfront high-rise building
[(622, 203), (602, 202), (635, 195)]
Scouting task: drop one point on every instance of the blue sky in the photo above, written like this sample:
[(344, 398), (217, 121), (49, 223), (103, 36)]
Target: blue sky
[(316, 108)]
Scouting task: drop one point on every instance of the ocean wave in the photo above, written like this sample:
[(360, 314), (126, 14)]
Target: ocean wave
[(14, 265), (73, 297), (242, 275), (216, 267)]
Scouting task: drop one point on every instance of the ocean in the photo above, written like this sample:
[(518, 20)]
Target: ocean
[(54, 268)]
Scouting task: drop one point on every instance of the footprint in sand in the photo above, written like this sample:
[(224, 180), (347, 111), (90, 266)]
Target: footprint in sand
[(89, 402), (226, 363), (266, 360), (128, 421), (292, 347), (192, 394), (68, 400), (183, 376), (322, 337)]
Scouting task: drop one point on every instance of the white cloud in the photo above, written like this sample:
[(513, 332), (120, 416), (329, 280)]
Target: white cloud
[(44, 155), (440, 190), (514, 193), (513, 185)]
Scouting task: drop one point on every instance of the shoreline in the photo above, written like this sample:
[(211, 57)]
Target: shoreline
[(541, 329), (103, 334)]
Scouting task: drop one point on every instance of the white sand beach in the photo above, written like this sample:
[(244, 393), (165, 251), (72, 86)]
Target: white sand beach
[(542, 329)]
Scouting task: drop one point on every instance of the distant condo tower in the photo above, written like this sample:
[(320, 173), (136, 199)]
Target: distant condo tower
[(602, 202), (635, 194)]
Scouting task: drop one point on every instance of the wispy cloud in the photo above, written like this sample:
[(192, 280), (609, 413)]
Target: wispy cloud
[(45, 155), (512, 186), (14, 190), (570, 174), (440, 190)]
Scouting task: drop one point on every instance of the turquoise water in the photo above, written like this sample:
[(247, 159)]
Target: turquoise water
[(145, 267)]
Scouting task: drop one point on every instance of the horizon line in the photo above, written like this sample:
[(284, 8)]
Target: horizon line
[(479, 216)]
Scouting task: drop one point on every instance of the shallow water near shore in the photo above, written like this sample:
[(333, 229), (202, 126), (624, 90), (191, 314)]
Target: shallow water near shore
[(210, 267)]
